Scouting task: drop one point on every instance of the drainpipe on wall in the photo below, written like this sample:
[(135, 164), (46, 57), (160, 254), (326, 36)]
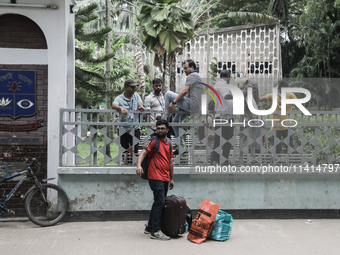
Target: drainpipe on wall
[(46, 6)]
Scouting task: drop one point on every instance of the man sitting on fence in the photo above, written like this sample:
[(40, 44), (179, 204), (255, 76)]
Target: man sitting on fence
[(189, 99)]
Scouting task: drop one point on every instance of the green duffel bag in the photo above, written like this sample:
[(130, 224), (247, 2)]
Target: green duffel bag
[(222, 227)]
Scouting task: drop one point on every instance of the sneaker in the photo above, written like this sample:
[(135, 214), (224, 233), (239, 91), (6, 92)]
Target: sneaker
[(159, 235), (147, 230)]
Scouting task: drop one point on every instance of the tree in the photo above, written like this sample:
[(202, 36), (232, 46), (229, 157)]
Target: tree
[(227, 13), (166, 27), (89, 84), (279, 9)]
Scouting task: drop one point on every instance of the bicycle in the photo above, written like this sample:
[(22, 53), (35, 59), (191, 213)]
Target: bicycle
[(45, 203)]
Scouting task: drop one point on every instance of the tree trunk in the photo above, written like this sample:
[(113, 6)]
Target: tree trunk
[(109, 63), (164, 66), (172, 70), (288, 62)]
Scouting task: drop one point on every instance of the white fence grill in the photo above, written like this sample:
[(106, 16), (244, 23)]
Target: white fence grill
[(78, 150), (251, 52)]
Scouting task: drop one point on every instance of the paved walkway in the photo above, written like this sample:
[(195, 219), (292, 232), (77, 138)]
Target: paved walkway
[(272, 237)]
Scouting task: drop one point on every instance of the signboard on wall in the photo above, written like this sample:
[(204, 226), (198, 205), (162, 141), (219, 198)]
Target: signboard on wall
[(17, 93)]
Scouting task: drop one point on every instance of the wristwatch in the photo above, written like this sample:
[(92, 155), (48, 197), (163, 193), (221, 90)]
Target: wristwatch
[(173, 102)]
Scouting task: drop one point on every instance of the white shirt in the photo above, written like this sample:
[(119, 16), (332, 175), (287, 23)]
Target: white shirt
[(154, 103)]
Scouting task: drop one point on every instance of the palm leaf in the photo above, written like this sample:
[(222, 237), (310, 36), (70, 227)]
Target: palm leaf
[(153, 29), (159, 14), (145, 18), (150, 42), (167, 1), (255, 18), (168, 40), (146, 3)]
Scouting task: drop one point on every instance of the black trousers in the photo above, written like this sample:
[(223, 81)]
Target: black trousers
[(227, 133), (160, 190), (282, 134), (126, 139)]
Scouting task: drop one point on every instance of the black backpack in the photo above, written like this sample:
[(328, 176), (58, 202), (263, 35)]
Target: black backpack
[(146, 160)]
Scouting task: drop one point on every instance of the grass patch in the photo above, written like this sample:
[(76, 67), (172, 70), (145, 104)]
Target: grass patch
[(83, 151)]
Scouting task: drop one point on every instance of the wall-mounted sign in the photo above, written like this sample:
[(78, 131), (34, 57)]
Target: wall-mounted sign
[(17, 93), (21, 127), (21, 140)]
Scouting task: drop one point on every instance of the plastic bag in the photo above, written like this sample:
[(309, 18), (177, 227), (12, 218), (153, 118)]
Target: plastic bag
[(222, 227), (203, 222)]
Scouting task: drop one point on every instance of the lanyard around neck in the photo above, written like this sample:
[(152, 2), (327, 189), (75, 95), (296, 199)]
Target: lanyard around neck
[(131, 104), (159, 101)]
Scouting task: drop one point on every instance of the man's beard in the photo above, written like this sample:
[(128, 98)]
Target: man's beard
[(161, 135), (157, 91)]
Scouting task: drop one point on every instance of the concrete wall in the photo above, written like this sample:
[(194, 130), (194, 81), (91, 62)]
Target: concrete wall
[(105, 189)]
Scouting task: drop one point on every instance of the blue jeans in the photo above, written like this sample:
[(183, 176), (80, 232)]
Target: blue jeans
[(182, 104), (160, 190)]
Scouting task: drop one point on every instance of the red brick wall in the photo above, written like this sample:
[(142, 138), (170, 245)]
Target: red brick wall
[(20, 32)]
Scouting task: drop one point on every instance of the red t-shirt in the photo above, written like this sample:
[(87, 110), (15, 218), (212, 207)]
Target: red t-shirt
[(159, 166)]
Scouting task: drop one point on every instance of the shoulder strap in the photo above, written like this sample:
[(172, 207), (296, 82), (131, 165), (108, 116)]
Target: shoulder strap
[(155, 147), (169, 142)]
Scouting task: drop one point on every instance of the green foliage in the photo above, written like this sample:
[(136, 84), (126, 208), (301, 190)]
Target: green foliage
[(91, 58), (251, 17), (317, 31), (279, 8), (166, 27), (83, 150), (322, 140), (219, 13), (89, 89), (213, 72)]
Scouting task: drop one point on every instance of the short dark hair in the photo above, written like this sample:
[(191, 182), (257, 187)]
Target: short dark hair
[(225, 73), (191, 63), (130, 82), (156, 80), (283, 84), (161, 122)]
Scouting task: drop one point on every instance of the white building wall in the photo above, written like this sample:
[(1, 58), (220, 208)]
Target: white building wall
[(58, 27)]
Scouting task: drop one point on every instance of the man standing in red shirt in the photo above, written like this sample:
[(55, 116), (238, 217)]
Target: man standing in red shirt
[(159, 170)]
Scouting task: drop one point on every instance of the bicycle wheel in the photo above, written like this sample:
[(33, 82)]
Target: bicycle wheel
[(50, 213)]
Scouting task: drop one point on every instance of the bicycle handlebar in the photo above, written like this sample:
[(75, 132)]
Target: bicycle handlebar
[(35, 162)]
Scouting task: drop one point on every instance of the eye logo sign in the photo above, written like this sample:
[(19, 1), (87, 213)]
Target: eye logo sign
[(209, 93), (17, 93)]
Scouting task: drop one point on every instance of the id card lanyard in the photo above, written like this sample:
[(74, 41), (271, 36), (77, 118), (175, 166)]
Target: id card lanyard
[(159, 101), (131, 108)]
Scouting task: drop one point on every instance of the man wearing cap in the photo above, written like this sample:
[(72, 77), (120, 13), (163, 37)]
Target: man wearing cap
[(129, 100)]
